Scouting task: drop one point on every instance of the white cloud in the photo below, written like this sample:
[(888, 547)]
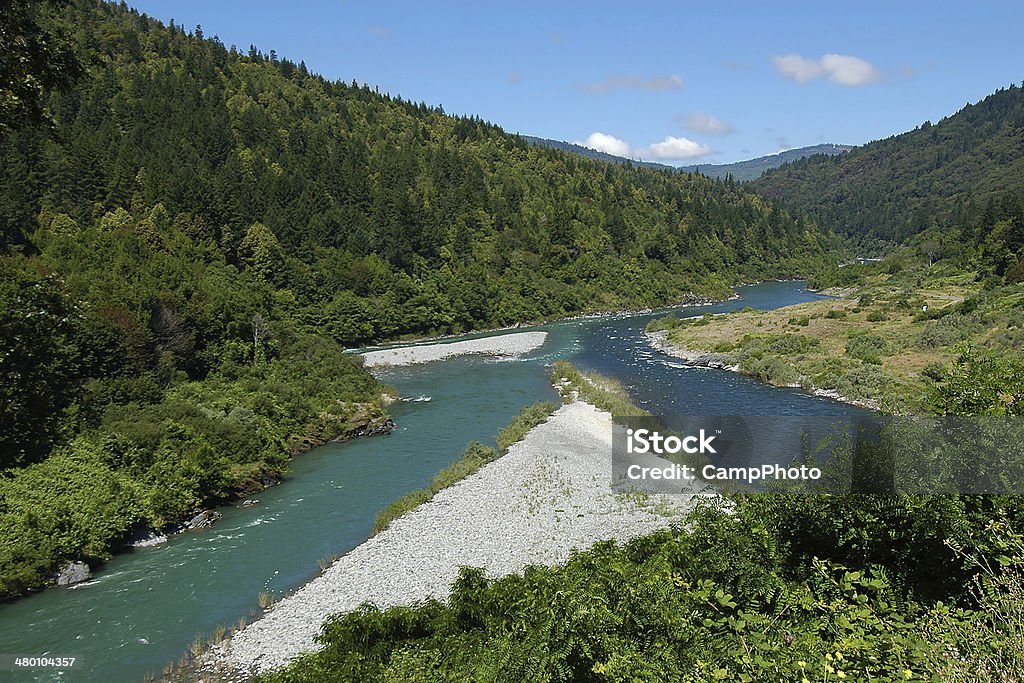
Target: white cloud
[(670, 82), (848, 70), (797, 68), (673, 148), (608, 144), (707, 124), (840, 69), (669, 149)]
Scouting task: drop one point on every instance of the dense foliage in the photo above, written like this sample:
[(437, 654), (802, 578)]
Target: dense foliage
[(35, 60), (381, 216), (981, 383), (961, 178), (149, 463)]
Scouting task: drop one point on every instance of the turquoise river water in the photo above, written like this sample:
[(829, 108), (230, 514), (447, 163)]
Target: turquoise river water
[(143, 608)]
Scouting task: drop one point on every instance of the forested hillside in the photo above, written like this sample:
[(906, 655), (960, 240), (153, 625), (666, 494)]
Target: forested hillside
[(191, 234), (963, 174), (386, 213)]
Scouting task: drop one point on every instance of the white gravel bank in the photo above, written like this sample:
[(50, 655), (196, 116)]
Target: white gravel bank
[(548, 495), (501, 345)]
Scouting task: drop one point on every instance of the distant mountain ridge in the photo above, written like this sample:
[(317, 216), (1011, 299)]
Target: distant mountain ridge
[(752, 169), (590, 153), (742, 171)]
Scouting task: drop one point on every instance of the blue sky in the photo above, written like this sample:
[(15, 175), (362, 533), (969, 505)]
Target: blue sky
[(680, 82)]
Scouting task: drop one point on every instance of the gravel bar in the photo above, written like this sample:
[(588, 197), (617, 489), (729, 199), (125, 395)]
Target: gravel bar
[(548, 495), (501, 345)]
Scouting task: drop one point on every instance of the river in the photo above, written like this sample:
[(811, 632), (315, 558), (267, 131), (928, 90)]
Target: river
[(144, 608)]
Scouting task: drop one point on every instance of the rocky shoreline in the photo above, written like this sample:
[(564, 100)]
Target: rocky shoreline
[(721, 361), (547, 496)]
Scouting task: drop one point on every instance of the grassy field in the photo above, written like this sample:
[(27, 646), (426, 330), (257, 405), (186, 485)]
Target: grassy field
[(881, 343)]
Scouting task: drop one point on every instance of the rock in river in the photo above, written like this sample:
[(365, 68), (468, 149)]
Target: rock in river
[(72, 573), (203, 519)]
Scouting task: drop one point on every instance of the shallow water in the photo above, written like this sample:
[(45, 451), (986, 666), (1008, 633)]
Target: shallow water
[(144, 608)]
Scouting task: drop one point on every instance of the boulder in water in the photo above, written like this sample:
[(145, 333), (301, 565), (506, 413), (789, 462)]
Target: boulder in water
[(203, 519), (72, 573)]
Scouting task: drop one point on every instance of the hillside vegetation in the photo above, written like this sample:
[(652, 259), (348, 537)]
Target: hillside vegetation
[(381, 217), (889, 341), (962, 177)]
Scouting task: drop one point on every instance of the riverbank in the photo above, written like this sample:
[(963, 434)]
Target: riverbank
[(547, 496), (721, 361), (878, 345), (503, 345), (688, 301)]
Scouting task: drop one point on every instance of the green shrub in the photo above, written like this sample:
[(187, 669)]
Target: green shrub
[(946, 331), (934, 371), (981, 383), (771, 370), (703, 320), (669, 322), (836, 314), (72, 506), (408, 502), (877, 316), (473, 458), (756, 345), (601, 392), (863, 381), (868, 348), (1015, 274)]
